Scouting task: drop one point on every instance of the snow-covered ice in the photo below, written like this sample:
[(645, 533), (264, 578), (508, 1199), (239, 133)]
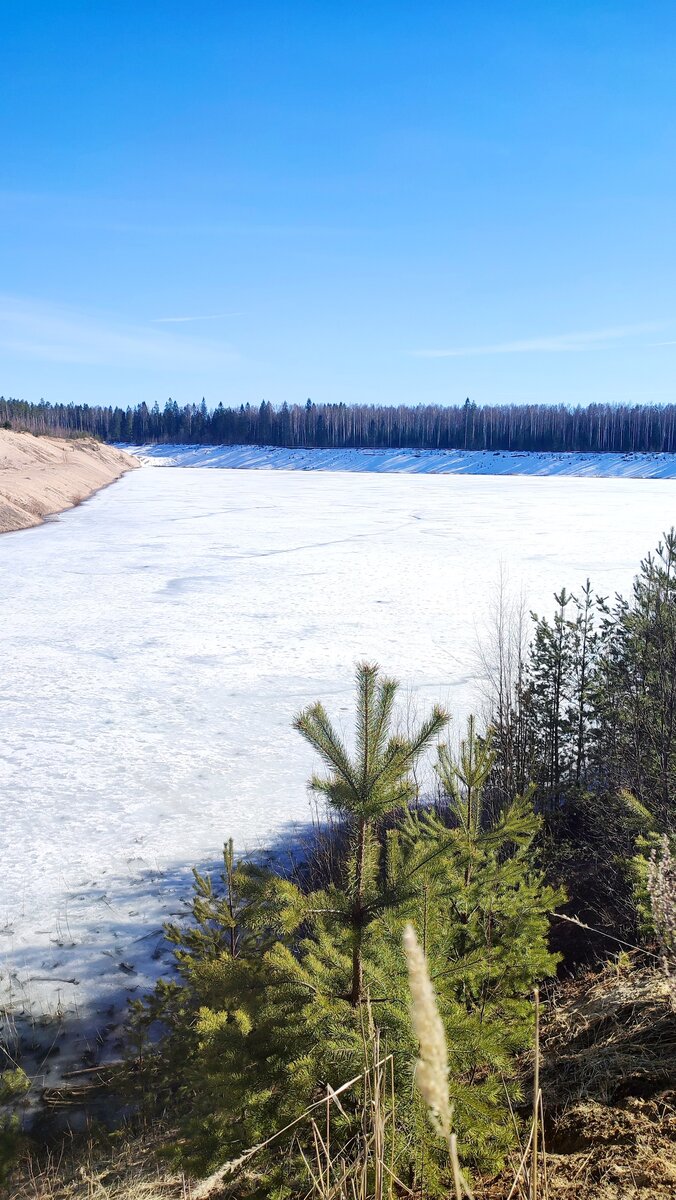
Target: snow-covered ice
[(418, 462), (157, 641)]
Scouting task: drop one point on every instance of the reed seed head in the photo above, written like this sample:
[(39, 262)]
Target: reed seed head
[(431, 1072)]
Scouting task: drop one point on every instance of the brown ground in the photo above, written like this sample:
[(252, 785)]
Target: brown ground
[(608, 1054), (44, 475), (624, 1151)]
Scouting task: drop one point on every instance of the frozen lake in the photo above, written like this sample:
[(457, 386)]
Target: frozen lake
[(157, 641)]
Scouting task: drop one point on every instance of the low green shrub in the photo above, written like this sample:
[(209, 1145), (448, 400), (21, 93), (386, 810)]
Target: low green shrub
[(284, 984)]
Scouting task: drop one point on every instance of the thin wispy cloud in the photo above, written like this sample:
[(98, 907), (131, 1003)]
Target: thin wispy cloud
[(184, 320), (31, 329), (560, 343)]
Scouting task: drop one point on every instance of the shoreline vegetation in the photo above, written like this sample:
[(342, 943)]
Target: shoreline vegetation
[(293, 1054), (42, 476)]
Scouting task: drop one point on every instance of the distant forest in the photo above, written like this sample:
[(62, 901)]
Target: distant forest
[(597, 427)]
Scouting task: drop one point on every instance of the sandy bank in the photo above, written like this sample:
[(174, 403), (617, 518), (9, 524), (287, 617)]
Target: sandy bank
[(44, 475)]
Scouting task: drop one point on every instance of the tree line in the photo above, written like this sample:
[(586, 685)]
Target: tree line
[(596, 428)]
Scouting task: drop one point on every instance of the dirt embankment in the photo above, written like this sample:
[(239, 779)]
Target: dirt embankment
[(44, 475), (608, 1075)]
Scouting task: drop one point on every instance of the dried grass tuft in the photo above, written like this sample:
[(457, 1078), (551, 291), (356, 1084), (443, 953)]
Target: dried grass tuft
[(608, 1036), (126, 1169)]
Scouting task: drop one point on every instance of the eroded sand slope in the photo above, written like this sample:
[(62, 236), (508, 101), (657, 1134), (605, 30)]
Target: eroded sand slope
[(44, 475)]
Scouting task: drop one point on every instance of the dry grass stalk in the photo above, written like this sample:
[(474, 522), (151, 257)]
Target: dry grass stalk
[(521, 1170), (359, 1170), (545, 1169), (536, 1102), (215, 1183), (459, 1182)]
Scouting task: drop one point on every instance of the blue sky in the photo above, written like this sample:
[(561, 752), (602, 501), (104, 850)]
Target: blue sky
[(401, 202)]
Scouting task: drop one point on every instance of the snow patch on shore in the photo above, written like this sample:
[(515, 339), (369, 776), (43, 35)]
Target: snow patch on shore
[(422, 462)]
